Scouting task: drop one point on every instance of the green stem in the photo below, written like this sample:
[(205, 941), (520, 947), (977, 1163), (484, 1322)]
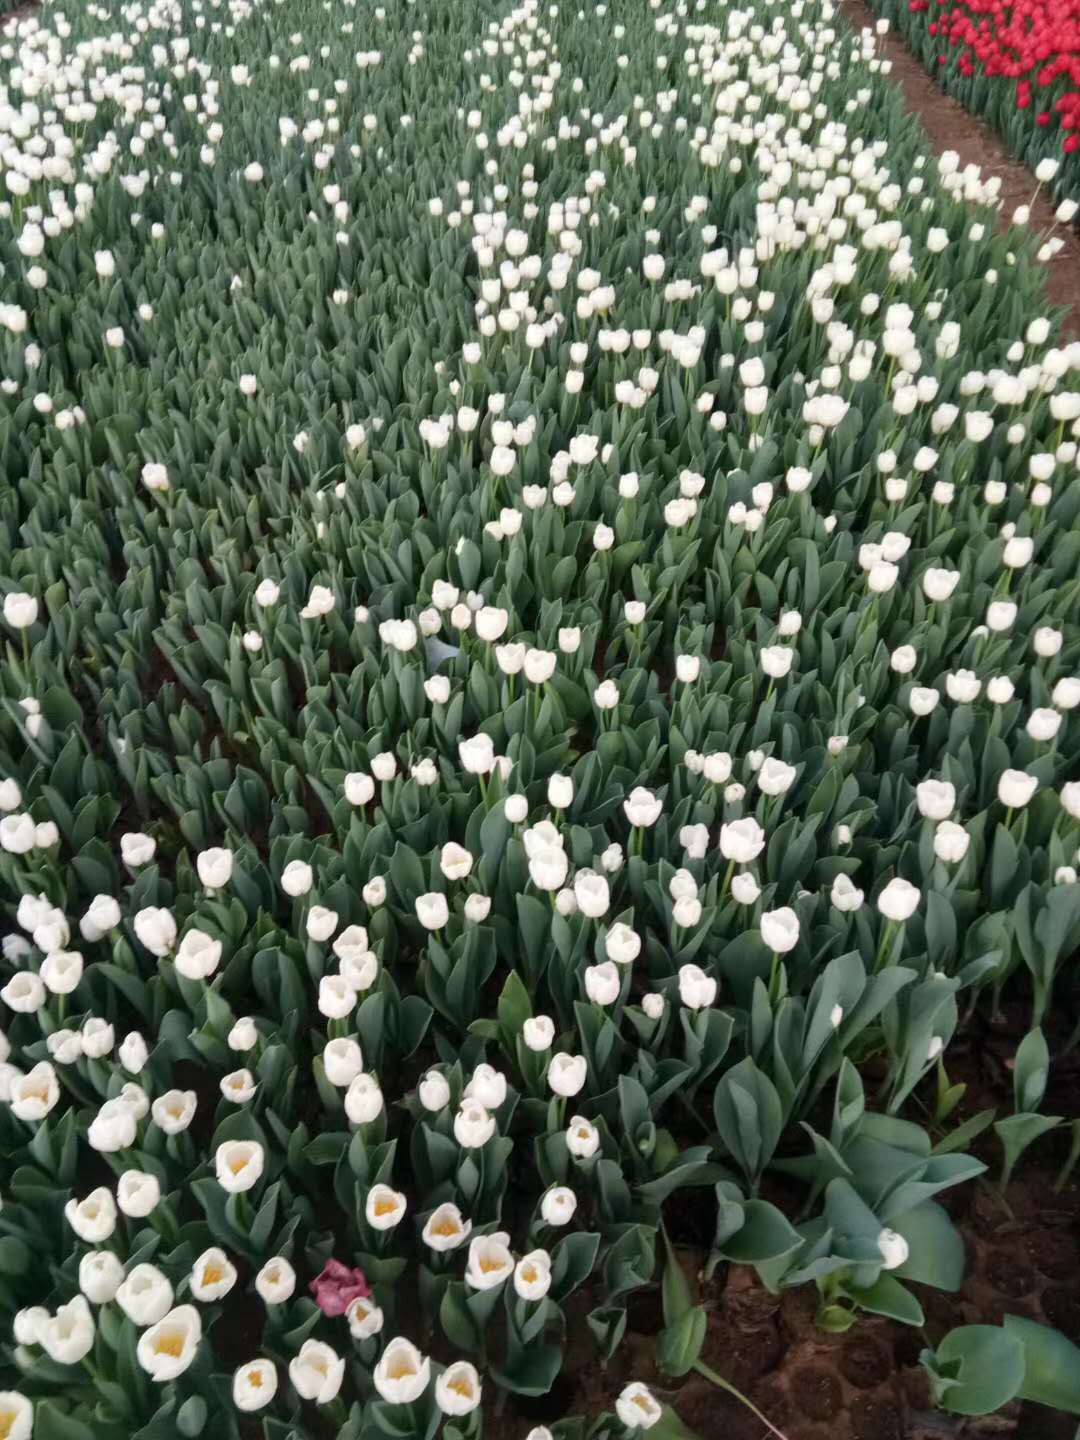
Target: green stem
[(886, 941), (1071, 1159), (711, 1375)]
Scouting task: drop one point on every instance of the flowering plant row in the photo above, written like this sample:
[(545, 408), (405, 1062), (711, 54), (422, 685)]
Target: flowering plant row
[(539, 558), (1017, 65)]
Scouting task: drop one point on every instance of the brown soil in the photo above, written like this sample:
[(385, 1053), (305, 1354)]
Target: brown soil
[(951, 127)]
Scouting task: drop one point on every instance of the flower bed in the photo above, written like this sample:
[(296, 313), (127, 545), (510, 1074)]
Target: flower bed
[(539, 556), (1016, 65)]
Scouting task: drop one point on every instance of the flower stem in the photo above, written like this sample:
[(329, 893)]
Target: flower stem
[(711, 1375)]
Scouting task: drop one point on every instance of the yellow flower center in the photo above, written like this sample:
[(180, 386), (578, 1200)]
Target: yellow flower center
[(7, 1423), (487, 1265), (529, 1274), (446, 1227), (462, 1387), (644, 1402), (237, 1165), (169, 1344), (401, 1369), (583, 1134), (255, 1379), (212, 1274), (385, 1207)]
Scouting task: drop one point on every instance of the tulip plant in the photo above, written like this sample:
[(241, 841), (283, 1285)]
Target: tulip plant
[(538, 572)]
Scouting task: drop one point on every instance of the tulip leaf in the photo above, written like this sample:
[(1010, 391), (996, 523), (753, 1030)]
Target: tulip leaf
[(1051, 1365), (976, 1369)]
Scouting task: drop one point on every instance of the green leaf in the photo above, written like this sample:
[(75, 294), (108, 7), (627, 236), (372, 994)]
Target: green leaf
[(1051, 1365), (766, 1234), (680, 1343), (515, 1007), (675, 1290), (1030, 1071), (935, 1248), (983, 1367), (889, 1298)]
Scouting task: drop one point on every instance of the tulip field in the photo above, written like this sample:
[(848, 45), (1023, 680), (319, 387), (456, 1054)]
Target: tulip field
[(1015, 64), (539, 733)]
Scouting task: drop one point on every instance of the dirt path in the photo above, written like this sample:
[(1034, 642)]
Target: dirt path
[(951, 127)]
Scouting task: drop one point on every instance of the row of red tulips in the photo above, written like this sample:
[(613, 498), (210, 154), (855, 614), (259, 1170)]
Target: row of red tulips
[(1014, 62)]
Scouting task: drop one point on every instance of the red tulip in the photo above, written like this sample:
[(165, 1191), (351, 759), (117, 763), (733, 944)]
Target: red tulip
[(337, 1287)]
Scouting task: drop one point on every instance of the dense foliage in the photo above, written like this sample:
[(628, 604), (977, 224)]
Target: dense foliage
[(540, 561)]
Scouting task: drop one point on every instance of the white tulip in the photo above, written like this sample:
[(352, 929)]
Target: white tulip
[(473, 1125), (894, 1249), (359, 787), (845, 895), (342, 1061), (155, 929), (538, 1032), (145, 1295), (490, 1261), (532, 1275), (365, 1319), (455, 862), (642, 807), (899, 900), (384, 1208), (215, 867), (567, 1074), (776, 660), (100, 1276), (136, 850), (92, 1219), (434, 1091), (198, 955), (363, 1099), (636, 1407), (276, 1281), (212, 1276), (488, 1086), (742, 840), (780, 929), (16, 1416), (69, 1336), (20, 610), (432, 910), (174, 1111), (1015, 788), (582, 1138), (254, 1385), (402, 1374), (297, 878), (112, 1128), (138, 1193), (239, 1165), (458, 1389), (446, 1228), (622, 944), (33, 1095), (317, 1372), (697, 991)]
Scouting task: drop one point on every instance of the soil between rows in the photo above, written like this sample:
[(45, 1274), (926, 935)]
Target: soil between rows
[(950, 127)]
